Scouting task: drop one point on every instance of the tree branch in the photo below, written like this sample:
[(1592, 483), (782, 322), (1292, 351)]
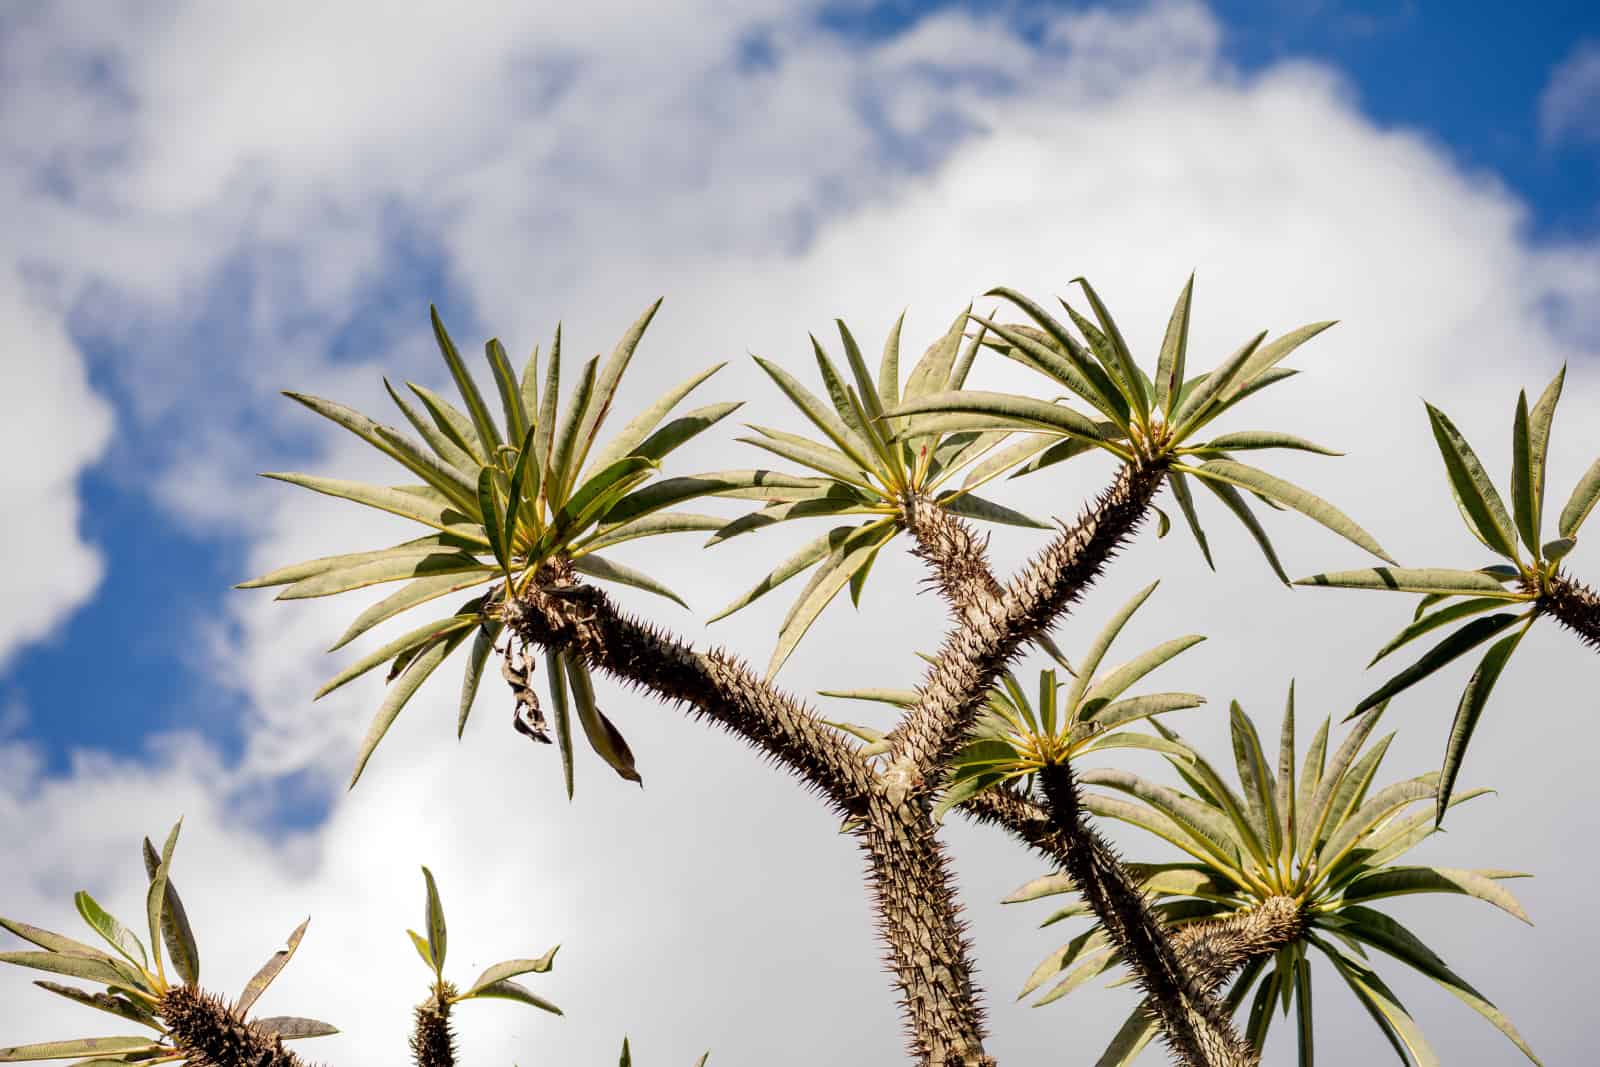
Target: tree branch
[(560, 613), (992, 631), (1196, 1027)]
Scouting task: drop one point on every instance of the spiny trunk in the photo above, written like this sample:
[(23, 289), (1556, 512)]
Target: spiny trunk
[(919, 921), (957, 556), (977, 651), (715, 684), (209, 1034), (1196, 1027), (433, 1041), (1575, 606)]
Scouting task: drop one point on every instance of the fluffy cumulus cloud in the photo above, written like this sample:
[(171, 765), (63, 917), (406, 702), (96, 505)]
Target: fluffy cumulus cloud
[(767, 177), (56, 427), (1569, 108)]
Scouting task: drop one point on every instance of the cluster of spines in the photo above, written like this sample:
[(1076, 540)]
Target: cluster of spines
[(210, 1033)]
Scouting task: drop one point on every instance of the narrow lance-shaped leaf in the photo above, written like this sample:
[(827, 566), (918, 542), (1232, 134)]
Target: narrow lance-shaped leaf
[(74, 1049), (604, 738), (176, 933), (404, 688), (561, 712), (271, 969), (1457, 644), (488, 435), (434, 911), (605, 386), (1468, 710), (117, 935), (1481, 507), (483, 640), (156, 895), (293, 1027), (511, 968), (1276, 489), (1582, 501), (1174, 350)]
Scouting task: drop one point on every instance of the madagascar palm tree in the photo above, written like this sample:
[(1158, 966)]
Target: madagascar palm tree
[(186, 1023), (880, 475), (1534, 581), (1286, 866), (532, 502)]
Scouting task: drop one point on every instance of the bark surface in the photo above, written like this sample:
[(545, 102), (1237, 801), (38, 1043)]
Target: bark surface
[(1575, 606)]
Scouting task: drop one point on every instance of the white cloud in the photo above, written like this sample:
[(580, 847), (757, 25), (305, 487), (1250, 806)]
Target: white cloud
[(55, 426), (1569, 107), (718, 905)]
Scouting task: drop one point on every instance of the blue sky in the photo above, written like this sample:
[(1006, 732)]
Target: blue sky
[(1466, 74), (207, 205)]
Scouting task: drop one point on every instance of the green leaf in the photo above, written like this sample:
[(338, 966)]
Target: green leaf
[(817, 412), (1481, 507), (650, 526), (1276, 489), (491, 519), (88, 968), (1302, 994), (1468, 709), (1458, 643), (1208, 389), (972, 506), (1384, 933), (1461, 609), (1023, 411), (122, 1007), (1415, 580), (850, 413), (439, 513), (1127, 372), (605, 386), (545, 431), (449, 423), (1116, 682), (413, 593), (510, 395), (564, 461), (1203, 825), (67, 1050), (1399, 881), (808, 554), (1142, 707), (1096, 652), (817, 457), (378, 572), (422, 546), (561, 713), (1260, 789), (118, 936), (53, 942), (1246, 440), (488, 436), (529, 389), (506, 989), (293, 1028), (404, 688), (1582, 501), (1557, 550), (156, 895), (889, 367), (435, 428), (522, 494), (420, 943), (1180, 490), (853, 553), (1174, 350), (667, 492), (900, 698), (642, 426), (1235, 502), (271, 969), (1264, 359), (434, 913), (607, 570), (1090, 382), (604, 738), (595, 498), (1538, 448), (483, 640), (499, 972), (1384, 1007)]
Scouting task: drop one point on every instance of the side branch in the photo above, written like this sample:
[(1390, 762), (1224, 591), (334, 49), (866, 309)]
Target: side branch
[(1575, 606), (957, 556), (718, 686), (1195, 1025), (993, 630)]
